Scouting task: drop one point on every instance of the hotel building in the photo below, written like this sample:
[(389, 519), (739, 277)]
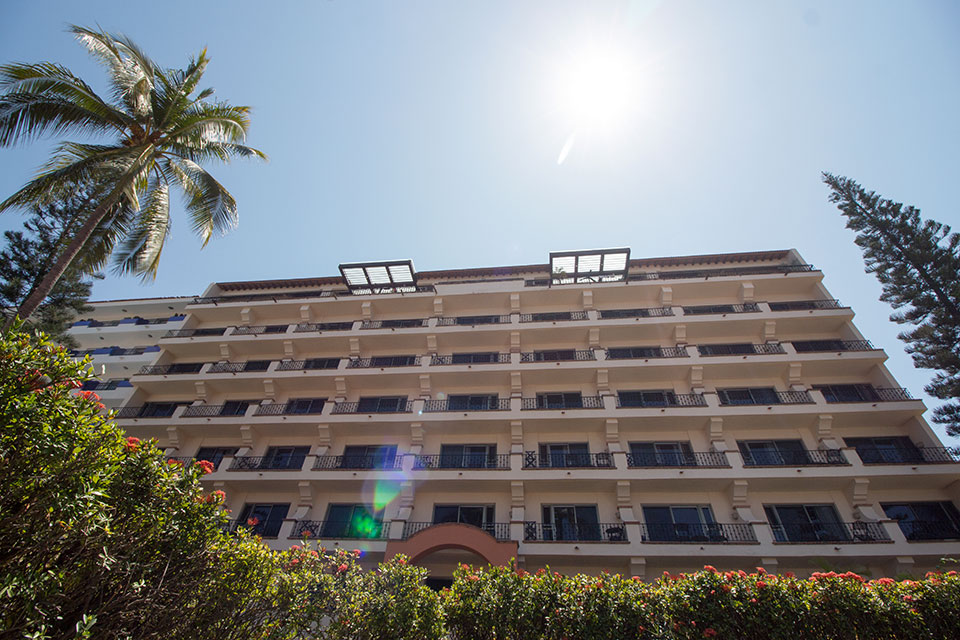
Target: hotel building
[(594, 413)]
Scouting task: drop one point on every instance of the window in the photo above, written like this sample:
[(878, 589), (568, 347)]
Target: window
[(378, 456), (382, 404), (848, 393), (662, 454), (285, 457), (570, 522), (480, 516), (925, 520), (185, 367), (554, 355), (726, 349), (264, 519), (210, 331), (624, 353), (658, 398), (321, 363), (805, 523), (571, 400), (351, 521), (475, 358), (480, 402), (401, 324), (305, 405), (891, 450), (275, 328), (565, 454), (393, 361), (214, 454), (807, 346), (681, 524), (468, 456), (473, 320), (234, 408), (158, 409), (256, 365), (550, 317), (710, 308), (759, 395), (773, 452)]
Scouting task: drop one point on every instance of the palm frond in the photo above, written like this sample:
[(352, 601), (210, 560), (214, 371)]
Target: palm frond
[(172, 95), (209, 205), (131, 70), (202, 123), (139, 253), (222, 151)]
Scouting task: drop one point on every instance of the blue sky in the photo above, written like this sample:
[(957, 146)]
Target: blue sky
[(432, 130)]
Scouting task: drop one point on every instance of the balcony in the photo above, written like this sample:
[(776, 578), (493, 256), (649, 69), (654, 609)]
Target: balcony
[(653, 312), (697, 533), (260, 330), (463, 461), (478, 403), (292, 408), (262, 528), (307, 327), (908, 455), (366, 529), (708, 309), (705, 459), (383, 362), (637, 353), (227, 410), (146, 411), (761, 397), (805, 305), (472, 321), (499, 530), (311, 364), (557, 316), (787, 458), (920, 530), (575, 532), (841, 394), (394, 324), (252, 366), (544, 403), (745, 349), (815, 346), (557, 460), (195, 333), (258, 297), (799, 533), (110, 385), (698, 273), (647, 400), (560, 355), (405, 406), (471, 358), (268, 463), (354, 462)]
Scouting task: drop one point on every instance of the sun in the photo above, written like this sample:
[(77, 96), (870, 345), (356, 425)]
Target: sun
[(596, 90)]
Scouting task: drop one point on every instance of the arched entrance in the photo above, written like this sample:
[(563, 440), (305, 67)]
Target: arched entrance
[(442, 547)]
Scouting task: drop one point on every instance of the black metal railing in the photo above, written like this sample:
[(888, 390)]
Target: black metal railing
[(575, 532), (706, 309), (394, 324), (361, 529), (131, 351), (829, 532), (583, 402), (383, 361), (670, 400), (805, 305), (698, 273), (478, 404), (96, 385), (560, 355), (740, 349), (358, 462), (259, 330), (254, 297), (714, 533), (653, 312), (499, 530), (195, 333), (213, 411), (554, 316), (463, 461), (495, 358), (397, 289), (290, 409), (240, 367), (776, 397), (144, 412), (811, 346), (558, 460), (354, 407), (472, 321), (643, 353), (874, 394), (310, 364), (804, 458), (917, 530), (678, 459), (262, 528), (170, 369), (269, 463), (306, 327), (908, 455)]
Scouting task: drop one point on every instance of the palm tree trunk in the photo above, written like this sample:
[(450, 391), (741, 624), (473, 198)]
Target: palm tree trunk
[(46, 285)]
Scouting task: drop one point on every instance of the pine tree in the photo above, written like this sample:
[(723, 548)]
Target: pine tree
[(27, 258), (917, 262)]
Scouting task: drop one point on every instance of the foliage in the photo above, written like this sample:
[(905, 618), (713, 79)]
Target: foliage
[(152, 135), (29, 255), (918, 263)]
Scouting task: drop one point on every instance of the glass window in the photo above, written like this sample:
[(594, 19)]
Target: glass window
[(214, 454), (652, 398), (925, 520), (681, 523), (805, 523), (263, 519), (571, 400), (474, 358), (468, 456), (305, 405), (285, 457), (378, 456), (351, 521), (570, 522)]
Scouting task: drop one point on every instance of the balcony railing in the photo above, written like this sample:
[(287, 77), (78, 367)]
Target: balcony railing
[(740, 349), (805, 458), (698, 273), (195, 333), (481, 404), (556, 316), (919, 530), (96, 385), (358, 462), (579, 532), (240, 367), (310, 364), (394, 324), (213, 411), (306, 327), (805, 305), (715, 533), (366, 529), (354, 407), (290, 409), (671, 400), (777, 397), (881, 394), (383, 361), (255, 297), (561, 355), (463, 461), (262, 528), (829, 532), (472, 321), (499, 530), (144, 412), (678, 459), (170, 369), (811, 346), (268, 463), (653, 312), (533, 460), (583, 402), (908, 455), (643, 353), (260, 330), (495, 358), (746, 307)]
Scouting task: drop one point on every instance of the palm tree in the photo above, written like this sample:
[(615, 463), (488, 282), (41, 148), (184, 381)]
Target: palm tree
[(157, 132)]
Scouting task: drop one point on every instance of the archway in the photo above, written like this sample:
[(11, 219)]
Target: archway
[(444, 546)]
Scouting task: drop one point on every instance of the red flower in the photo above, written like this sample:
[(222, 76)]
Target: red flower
[(761, 570), (788, 574), (908, 598), (636, 578), (709, 632), (753, 600), (401, 561), (205, 466), (710, 568), (725, 587), (742, 573), (473, 578), (761, 584), (132, 444), (343, 567), (174, 463), (951, 573), (254, 521), (357, 552), (313, 553), (218, 496), (294, 547)]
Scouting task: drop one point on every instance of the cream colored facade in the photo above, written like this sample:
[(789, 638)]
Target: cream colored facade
[(702, 410)]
